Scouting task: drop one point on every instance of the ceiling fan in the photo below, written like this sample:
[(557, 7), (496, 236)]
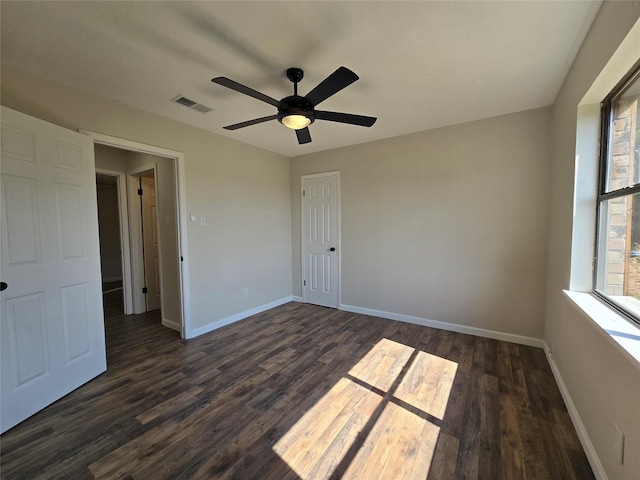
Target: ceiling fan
[(298, 112)]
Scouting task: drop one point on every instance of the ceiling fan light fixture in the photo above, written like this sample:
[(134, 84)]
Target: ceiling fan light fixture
[(296, 121)]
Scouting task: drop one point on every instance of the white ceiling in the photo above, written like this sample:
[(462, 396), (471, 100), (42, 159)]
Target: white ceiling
[(422, 65)]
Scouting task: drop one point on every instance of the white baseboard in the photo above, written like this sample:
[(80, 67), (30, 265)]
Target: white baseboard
[(237, 317), (295, 298), (452, 327), (171, 324), (112, 279), (589, 450)]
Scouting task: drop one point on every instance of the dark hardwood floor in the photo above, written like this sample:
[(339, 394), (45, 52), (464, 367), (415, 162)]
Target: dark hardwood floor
[(303, 392)]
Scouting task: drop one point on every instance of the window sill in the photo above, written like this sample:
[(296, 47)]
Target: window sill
[(622, 333)]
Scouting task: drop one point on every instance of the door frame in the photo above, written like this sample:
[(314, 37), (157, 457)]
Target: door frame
[(338, 233), (181, 212), (123, 215)]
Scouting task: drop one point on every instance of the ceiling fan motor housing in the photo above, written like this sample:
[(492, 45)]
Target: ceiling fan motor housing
[(295, 74), (295, 105)]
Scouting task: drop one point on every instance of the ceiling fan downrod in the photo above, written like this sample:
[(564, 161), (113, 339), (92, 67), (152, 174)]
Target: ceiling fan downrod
[(295, 75)]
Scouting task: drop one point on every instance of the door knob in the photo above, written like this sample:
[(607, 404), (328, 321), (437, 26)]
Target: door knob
[(332, 249), (3, 286)]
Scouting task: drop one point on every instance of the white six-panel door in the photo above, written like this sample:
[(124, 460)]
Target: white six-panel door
[(320, 239), (51, 323)]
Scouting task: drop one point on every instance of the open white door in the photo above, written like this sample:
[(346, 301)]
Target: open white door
[(320, 239), (51, 324), (150, 241)]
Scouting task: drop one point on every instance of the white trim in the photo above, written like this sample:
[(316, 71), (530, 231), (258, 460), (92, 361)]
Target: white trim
[(451, 327), (183, 266), (324, 174), (112, 290), (171, 324), (123, 212), (616, 328), (238, 316), (302, 248), (589, 449), (181, 206), (339, 233), (131, 145), (295, 298), (111, 279)]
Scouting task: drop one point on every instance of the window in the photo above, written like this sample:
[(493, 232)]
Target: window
[(617, 273)]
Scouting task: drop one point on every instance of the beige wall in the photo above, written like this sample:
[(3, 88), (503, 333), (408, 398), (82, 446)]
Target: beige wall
[(447, 225), (603, 383), (242, 190), (109, 158)]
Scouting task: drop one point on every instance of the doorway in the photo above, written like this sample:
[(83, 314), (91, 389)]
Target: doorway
[(159, 282), (113, 229), (320, 237), (143, 267), (109, 232)]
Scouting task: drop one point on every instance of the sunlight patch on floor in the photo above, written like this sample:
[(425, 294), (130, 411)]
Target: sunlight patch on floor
[(381, 366), (361, 425), (316, 444), (428, 383), (399, 447)]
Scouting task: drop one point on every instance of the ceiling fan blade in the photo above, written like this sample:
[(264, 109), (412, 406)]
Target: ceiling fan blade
[(345, 118), (342, 77), (304, 136), (248, 123), (238, 87)]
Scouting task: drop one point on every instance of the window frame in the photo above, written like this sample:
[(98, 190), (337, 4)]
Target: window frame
[(606, 120)]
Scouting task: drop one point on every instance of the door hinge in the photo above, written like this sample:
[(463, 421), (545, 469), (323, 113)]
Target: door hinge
[(181, 258), (304, 193), (304, 283), (140, 191), (144, 289)]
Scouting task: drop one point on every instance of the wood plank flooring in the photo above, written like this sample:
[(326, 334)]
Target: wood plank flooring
[(303, 392)]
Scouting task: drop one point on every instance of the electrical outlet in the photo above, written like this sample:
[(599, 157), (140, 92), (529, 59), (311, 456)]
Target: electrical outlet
[(245, 292), (618, 444)]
